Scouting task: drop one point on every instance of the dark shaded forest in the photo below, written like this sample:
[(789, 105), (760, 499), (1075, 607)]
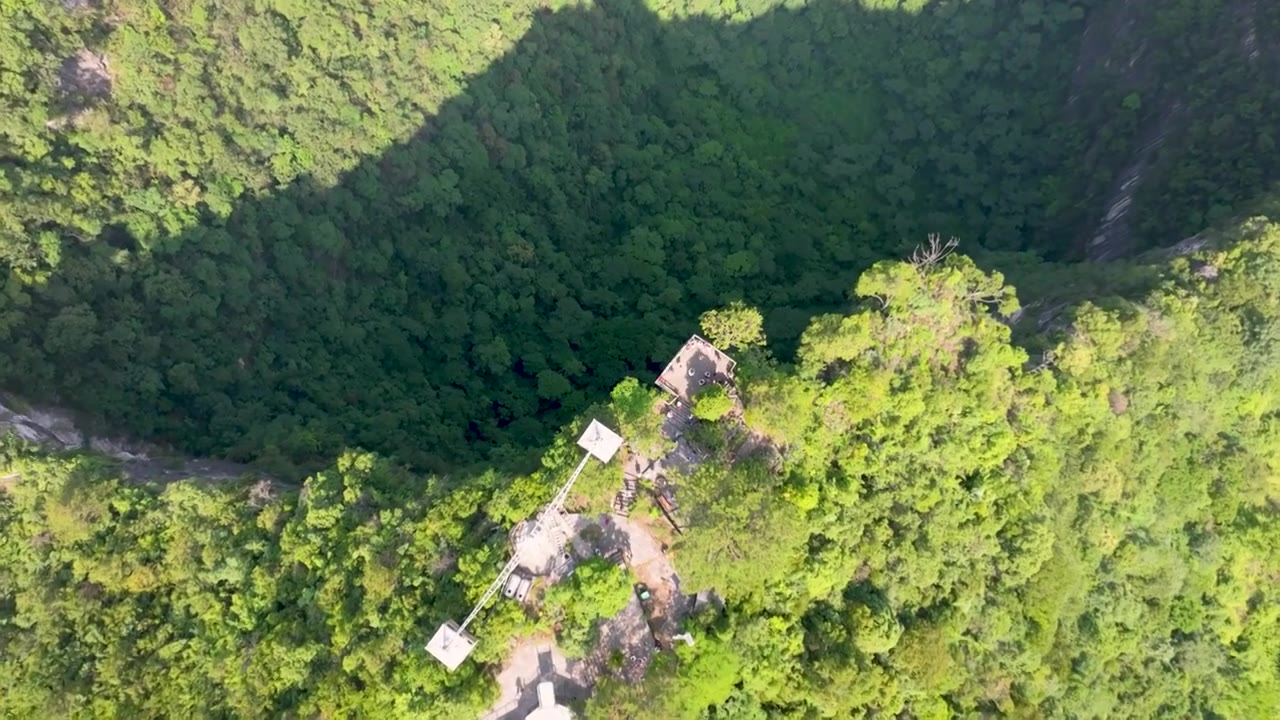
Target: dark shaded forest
[(218, 244)]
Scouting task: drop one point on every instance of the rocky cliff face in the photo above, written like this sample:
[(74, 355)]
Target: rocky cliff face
[(1114, 53), (57, 430), (1119, 63)]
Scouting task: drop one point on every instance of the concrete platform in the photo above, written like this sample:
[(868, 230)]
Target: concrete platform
[(451, 646), (600, 441), (697, 365)]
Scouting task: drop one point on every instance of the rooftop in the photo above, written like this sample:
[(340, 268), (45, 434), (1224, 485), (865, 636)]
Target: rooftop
[(548, 709), (697, 364), (450, 646), (600, 441)]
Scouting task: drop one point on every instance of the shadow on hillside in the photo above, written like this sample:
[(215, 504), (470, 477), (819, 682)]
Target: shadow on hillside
[(559, 226)]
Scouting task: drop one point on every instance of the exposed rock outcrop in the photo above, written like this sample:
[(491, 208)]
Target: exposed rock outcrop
[(1121, 70), (57, 430), (85, 75)]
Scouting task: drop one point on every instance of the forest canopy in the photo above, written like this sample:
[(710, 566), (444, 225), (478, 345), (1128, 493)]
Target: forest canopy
[(269, 232), (393, 254)]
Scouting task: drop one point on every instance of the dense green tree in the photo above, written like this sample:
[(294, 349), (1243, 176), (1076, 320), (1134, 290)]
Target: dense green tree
[(735, 327), (227, 600), (874, 631), (597, 590), (742, 537), (712, 403), (1023, 520), (636, 409)]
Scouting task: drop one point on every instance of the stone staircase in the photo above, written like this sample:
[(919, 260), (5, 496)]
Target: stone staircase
[(626, 498), (559, 533)]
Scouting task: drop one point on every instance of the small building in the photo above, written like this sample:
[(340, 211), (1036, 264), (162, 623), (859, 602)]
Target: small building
[(696, 365), (548, 708)]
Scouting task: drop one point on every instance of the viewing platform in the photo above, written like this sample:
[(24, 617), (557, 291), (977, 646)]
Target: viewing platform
[(696, 365)]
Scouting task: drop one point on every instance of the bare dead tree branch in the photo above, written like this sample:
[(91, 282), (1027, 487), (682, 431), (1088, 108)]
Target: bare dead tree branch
[(1047, 359), (983, 296), (934, 252)]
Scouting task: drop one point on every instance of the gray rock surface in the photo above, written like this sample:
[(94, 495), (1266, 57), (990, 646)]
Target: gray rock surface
[(58, 430)]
